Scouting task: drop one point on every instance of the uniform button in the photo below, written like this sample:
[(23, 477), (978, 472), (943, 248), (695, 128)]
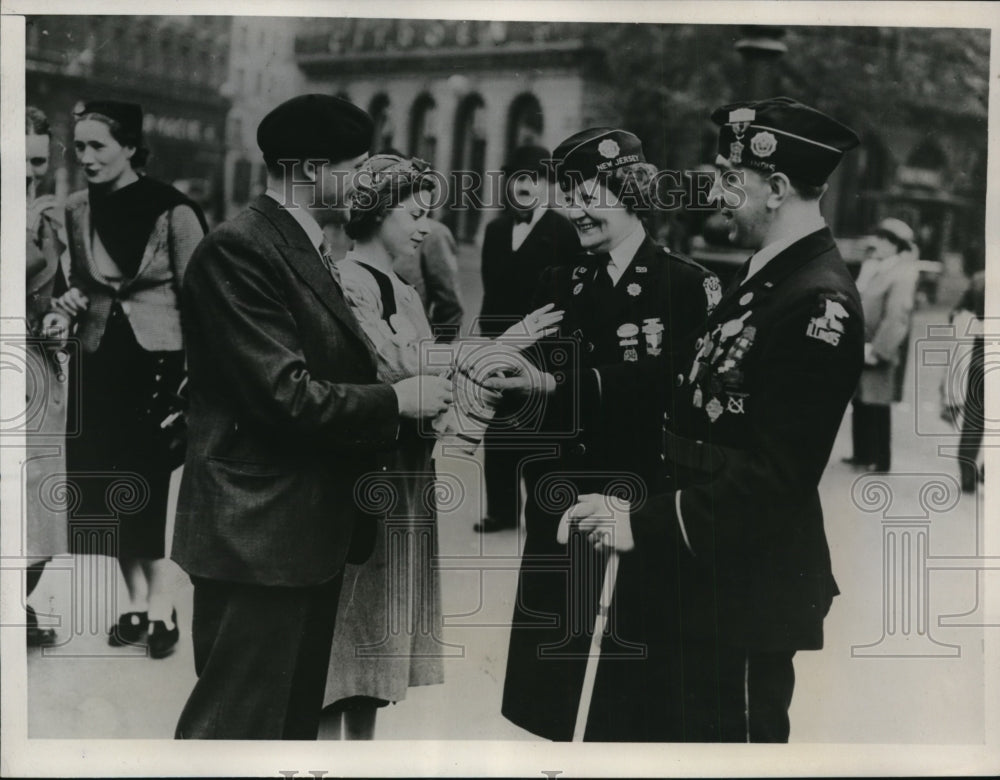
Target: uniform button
[(590, 346), (580, 449), (680, 379), (663, 457), (385, 468)]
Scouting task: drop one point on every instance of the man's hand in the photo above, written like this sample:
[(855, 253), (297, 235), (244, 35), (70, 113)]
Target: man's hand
[(522, 379), (72, 303), (606, 519), (423, 396), (55, 325)]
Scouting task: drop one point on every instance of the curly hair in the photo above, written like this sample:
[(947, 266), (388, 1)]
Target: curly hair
[(386, 180), (35, 122)]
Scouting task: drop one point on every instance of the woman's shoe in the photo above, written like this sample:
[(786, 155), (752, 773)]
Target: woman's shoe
[(130, 630), (162, 640), (37, 635)]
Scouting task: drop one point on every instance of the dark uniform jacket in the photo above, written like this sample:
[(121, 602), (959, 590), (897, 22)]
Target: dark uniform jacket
[(755, 417), (511, 277), (284, 415), (559, 586)]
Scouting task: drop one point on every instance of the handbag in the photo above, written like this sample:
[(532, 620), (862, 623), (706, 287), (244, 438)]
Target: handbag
[(167, 410)]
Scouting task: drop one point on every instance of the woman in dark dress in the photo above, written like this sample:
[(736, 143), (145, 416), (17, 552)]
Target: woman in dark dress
[(130, 238)]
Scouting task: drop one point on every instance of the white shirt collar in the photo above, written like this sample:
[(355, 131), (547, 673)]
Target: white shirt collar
[(622, 254), (775, 248), (522, 229), (300, 215)]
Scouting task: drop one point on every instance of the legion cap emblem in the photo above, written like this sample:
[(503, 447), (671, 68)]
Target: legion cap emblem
[(763, 144), (608, 148)]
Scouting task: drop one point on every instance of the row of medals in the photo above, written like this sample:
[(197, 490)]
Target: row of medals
[(628, 338)]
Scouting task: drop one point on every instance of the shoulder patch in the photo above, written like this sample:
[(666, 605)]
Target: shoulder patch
[(827, 322)]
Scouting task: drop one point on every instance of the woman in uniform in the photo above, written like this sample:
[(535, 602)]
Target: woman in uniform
[(626, 300)]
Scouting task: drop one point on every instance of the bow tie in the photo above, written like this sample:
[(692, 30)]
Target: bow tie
[(523, 216)]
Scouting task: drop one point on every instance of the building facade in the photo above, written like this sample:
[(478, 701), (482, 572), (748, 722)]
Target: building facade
[(460, 94)]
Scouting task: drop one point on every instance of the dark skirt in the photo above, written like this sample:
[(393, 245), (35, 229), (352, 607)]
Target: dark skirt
[(118, 477), (558, 594)]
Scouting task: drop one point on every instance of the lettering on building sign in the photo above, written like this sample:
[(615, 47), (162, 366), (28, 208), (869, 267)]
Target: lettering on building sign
[(179, 129)]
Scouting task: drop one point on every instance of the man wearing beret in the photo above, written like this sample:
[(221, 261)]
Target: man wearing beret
[(285, 415), (756, 414), (627, 302)]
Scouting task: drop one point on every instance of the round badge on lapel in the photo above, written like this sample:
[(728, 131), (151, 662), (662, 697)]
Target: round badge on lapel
[(633, 289)]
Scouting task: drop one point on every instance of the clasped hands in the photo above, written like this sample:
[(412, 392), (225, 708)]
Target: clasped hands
[(501, 366), (607, 521), (429, 396)]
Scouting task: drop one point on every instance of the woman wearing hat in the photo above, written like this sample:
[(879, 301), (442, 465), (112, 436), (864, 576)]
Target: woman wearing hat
[(887, 283), (626, 299), (130, 238), (388, 631)]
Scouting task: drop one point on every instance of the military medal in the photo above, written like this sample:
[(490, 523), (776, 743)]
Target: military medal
[(714, 409), (579, 286), (627, 340), (735, 403), (696, 398), (579, 271), (652, 329)]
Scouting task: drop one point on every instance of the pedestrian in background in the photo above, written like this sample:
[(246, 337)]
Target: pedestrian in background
[(887, 283), (45, 462), (130, 239), (518, 246)]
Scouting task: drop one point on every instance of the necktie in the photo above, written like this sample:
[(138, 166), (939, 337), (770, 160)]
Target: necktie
[(602, 279), (329, 262)]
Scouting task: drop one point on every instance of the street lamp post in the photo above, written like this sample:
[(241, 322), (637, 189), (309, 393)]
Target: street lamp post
[(760, 47)]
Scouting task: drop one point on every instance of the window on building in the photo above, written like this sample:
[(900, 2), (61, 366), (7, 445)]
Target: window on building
[(383, 134), (242, 171), (525, 122), (469, 163), (423, 130)]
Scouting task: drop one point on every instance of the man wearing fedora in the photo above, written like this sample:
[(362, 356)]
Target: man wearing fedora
[(517, 247), (285, 415), (888, 284)]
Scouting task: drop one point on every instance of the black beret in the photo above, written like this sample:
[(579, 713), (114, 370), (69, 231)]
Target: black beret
[(529, 159), (596, 150), (127, 115), (317, 127), (781, 134)]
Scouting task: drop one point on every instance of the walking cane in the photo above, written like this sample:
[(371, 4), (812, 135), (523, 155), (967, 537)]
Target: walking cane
[(600, 625)]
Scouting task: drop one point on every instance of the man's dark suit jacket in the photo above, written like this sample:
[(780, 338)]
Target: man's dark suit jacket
[(510, 277), (284, 411)]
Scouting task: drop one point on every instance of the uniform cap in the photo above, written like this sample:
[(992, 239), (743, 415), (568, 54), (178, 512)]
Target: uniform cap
[(782, 135), (597, 150)]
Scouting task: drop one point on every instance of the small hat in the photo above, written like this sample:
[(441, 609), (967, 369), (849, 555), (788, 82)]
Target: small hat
[(782, 135), (319, 127), (127, 115), (536, 160), (897, 230), (596, 150)]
